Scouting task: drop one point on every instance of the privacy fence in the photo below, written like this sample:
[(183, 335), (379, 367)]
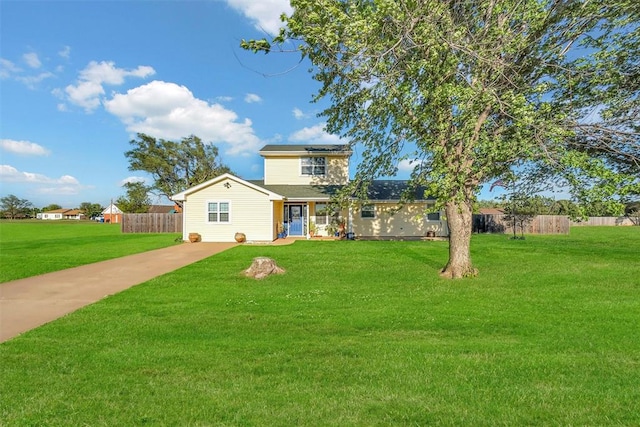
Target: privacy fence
[(541, 224), (605, 220), (152, 223)]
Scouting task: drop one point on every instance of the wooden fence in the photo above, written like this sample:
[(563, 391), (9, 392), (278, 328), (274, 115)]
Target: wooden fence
[(605, 220), (541, 224), (152, 223)]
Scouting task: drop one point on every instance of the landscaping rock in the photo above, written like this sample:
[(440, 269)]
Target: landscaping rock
[(262, 267)]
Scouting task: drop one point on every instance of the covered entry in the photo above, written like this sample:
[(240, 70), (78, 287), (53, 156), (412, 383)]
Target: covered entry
[(295, 218)]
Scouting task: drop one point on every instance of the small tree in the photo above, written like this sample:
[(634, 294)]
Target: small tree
[(13, 206), (137, 199), (90, 209), (51, 207)]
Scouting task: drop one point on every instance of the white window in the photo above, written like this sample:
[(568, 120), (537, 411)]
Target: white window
[(368, 211), (219, 212), (322, 212), (313, 166)]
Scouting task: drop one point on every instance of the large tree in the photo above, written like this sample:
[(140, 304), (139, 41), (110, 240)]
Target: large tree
[(474, 90), (12, 206), (175, 165)]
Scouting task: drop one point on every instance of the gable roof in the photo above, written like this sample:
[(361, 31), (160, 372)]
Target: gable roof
[(306, 149), (111, 209), (182, 196), (162, 209), (55, 211)]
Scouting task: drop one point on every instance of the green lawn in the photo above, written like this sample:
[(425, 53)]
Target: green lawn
[(354, 334), (28, 248)]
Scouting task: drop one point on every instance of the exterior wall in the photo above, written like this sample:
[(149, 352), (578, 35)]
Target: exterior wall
[(51, 216), (278, 216), (282, 170), (410, 221), (113, 218), (250, 212)]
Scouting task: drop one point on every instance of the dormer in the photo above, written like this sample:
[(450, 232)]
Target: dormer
[(306, 164)]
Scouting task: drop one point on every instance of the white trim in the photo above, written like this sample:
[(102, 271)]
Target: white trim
[(182, 196), (218, 201)]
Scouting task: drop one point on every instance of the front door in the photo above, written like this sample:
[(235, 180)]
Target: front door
[(296, 220)]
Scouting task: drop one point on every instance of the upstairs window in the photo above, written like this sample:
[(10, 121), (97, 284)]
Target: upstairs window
[(313, 166), (433, 216), (218, 211)]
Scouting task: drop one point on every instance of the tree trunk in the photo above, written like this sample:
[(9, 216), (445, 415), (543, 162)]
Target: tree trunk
[(459, 217)]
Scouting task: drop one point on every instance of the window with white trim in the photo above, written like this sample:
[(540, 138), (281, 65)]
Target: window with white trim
[(322, 213), (368, 211), (313, 166), (219, 212)]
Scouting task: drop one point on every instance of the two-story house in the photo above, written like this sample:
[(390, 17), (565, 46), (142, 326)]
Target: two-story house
[(294, 196)]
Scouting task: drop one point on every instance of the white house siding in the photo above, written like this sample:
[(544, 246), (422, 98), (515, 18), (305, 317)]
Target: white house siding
[(280, 170), (251, 213), (409, 221)]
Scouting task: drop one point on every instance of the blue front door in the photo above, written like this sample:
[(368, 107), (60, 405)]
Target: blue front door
[(296, 220)]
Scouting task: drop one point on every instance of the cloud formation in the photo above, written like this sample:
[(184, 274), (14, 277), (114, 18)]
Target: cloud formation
[(408, 165), (23, 148), (265, 14), (89, 89), (170, 111), (10, 174), (315, 135), (32, 60), (252, 98)]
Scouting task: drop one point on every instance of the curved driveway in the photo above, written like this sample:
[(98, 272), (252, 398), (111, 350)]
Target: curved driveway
[(34, 301)]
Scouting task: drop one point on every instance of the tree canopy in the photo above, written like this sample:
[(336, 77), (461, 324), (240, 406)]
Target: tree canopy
[(472, 90), (12, 206), (175, 165)]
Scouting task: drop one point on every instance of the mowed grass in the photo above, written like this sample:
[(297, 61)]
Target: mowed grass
[(29, 248), (355, 333)]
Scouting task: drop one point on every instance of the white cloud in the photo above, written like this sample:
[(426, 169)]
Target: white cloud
[(298, 114), (224, 98), (252, 98), (167, 110), (89, 89), (8, 68), (132, 179), (23, 147), (10, 174), (314, 135), (32, 60), (408, 165), (265, 14), (32, 81), (65, 52)]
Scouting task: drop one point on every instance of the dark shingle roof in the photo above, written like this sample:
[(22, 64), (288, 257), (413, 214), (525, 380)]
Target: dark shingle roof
[(392, 189), (300, 191), (307, 149), (379, 190)]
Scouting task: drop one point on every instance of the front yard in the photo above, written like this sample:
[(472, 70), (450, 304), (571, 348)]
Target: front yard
[(355, 333)]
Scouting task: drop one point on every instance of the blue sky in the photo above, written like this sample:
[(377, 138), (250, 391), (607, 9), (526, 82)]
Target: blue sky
[(79, 79)]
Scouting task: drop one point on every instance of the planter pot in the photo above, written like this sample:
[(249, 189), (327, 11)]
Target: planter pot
[(431, 233), (240, 237), (194, 237)]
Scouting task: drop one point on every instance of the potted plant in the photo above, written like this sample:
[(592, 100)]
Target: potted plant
[(281, 231), (312, 228)]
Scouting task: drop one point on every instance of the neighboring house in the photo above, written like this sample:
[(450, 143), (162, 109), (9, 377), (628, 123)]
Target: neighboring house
[(164, 209), (58, 214), (299, 181), (112, 213)]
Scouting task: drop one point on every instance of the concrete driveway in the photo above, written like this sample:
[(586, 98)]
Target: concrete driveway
[(28, 303)]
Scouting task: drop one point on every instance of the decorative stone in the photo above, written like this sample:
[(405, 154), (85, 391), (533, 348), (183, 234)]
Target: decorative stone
[(240, 237), (262, 267)]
